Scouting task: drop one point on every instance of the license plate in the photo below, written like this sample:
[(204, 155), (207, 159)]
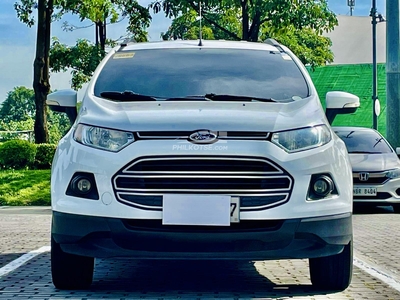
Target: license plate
[(364, 191), (211, 210)]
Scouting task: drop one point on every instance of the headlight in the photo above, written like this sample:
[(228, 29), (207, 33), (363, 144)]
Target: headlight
[(102, 138), (393, 173), (302, 139)]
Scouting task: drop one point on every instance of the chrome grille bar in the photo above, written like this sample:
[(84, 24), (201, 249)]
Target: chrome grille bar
[(187, 174)]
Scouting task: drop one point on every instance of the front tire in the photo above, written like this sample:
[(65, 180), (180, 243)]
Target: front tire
[(332, 272), (70, 271)]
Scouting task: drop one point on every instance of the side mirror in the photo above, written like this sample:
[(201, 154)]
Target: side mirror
[(340, 103), (398, 151), (64, 101)]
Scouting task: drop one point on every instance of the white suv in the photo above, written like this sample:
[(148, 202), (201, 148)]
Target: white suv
[(214, 151)]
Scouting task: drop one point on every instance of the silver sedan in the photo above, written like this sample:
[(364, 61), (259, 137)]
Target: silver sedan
[(375, 164)]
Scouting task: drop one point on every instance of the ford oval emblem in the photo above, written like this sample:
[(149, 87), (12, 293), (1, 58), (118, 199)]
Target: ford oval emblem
[(203, 137)]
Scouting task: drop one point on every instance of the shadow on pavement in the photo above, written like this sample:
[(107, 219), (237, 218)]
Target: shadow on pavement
[(6, 258), (128, 279), (370, 209), (197, 278)]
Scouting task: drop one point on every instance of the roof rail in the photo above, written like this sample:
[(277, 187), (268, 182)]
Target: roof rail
[(274, 43)]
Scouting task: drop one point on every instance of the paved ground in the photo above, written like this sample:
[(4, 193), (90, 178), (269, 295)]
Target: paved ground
[(376, 240)]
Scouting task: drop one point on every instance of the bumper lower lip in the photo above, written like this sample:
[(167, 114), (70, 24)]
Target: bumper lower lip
[(110, 237)]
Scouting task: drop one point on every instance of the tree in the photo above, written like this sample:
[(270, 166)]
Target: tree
[(99, 10), (311, 48), (19, 105), (17, 112), (84, 56), (299, 24), (41, 82)]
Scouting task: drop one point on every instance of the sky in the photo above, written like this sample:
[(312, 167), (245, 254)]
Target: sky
[(17, 41)]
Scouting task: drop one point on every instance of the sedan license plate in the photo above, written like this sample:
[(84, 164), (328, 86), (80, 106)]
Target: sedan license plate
[(364, 191)]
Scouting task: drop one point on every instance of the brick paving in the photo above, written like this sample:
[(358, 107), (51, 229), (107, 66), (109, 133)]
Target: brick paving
[(377, 238), (127, 279), (23, 230)]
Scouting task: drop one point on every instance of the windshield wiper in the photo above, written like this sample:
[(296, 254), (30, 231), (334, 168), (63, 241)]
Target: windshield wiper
[(378, 141), (126, 96), (222, 97)]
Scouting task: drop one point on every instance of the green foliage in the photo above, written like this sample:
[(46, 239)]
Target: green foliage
[(19, 105), (24, 11), (58, 126), (298, 24), (25, 187), (17, 114), (312, 49), (17, 154), (44, 156), (94, 10), (139, 18), (82, 58), (16, 130), (22, 154)]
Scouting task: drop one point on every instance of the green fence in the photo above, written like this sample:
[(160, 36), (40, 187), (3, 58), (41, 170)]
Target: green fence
[(355, 79)]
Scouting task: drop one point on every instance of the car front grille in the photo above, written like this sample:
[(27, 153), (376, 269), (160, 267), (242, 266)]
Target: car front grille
[(221, 135), (373, 178), (258, 182)]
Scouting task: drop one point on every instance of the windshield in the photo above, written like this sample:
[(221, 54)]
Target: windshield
[(173, 73), (364, 141)]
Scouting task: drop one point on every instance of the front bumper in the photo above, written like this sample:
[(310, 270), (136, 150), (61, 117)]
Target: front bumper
[(387, 193), (250, 240)]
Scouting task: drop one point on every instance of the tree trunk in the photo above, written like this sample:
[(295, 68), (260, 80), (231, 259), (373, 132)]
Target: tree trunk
[(102, 36), (97, 33), (245, 20), (255, 27), (41, 82)]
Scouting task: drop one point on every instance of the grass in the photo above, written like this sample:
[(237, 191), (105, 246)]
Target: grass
[(24, 187)]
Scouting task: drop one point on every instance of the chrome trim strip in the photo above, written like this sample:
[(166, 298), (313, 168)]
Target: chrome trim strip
[(204, 176), (201, 158), (200, 172), (241, 208), (222, 135), (371, 175), (203, 191), (264, 206), (230, 194)]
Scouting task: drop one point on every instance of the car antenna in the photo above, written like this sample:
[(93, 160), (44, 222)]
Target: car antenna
[(200, 33)]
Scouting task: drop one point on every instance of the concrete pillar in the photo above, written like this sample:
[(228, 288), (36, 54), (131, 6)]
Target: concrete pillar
[(393, 73)]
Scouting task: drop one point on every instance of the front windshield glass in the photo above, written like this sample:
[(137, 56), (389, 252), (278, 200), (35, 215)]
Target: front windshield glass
[(170, 73), (364, 141)]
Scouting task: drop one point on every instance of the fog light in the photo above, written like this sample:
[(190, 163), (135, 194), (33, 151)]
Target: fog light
[(322, 186), (81, 185)]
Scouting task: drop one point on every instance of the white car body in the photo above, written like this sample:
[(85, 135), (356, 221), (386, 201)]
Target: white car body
[(308, 228)]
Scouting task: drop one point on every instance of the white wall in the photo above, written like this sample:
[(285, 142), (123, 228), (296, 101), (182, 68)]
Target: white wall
[(352, 40)]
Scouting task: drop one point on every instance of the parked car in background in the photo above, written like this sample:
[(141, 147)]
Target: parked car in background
[(376, 167)]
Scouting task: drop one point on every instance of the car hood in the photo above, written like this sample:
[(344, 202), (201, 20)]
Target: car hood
[(374, 162), (195, 115)]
